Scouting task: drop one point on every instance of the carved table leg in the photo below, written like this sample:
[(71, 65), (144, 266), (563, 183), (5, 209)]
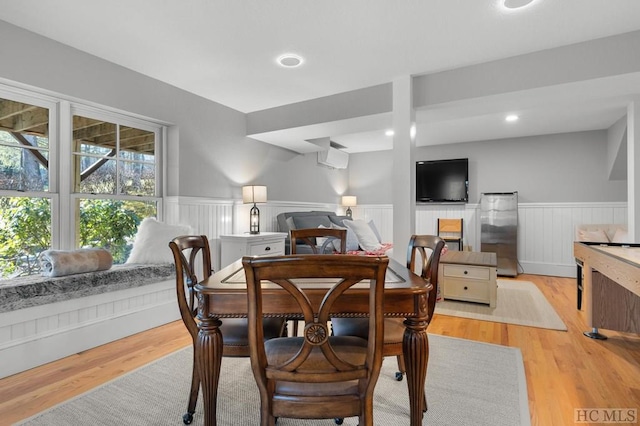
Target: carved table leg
[(415, 347), (208, 349)]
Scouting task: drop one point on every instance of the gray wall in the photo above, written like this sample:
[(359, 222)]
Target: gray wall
[(208, 153), (570, 167)]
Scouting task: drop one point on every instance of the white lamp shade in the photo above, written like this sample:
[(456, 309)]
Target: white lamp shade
[(349, 200), (254, 194)]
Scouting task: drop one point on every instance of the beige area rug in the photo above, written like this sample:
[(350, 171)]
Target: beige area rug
[(518, 302), (468, 384)]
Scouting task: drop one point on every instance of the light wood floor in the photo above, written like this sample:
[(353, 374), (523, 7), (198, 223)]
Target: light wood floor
[(565, 370)]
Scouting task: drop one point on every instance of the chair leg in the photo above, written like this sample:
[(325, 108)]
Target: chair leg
[(193, 395), (401, 368)]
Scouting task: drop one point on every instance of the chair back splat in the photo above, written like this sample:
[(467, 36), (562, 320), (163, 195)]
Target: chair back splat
[(316, 375)]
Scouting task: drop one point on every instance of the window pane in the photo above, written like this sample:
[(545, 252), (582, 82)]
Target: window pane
[(136, 144), (24, 128), (137, 178), (93, 136), (23, 169), (94, 175), (21, 120), (111, 224), (25, 231)]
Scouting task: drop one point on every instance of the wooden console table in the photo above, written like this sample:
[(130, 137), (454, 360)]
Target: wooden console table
[(470, 276), (611, 286)]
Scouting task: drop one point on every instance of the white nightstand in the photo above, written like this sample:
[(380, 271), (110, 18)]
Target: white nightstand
[(263, 244)]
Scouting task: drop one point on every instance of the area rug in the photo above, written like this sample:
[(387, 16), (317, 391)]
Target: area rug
[(468, 383), (518, 302)]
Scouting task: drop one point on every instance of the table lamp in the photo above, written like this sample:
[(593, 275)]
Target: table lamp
[(349, 201), (254, 194)]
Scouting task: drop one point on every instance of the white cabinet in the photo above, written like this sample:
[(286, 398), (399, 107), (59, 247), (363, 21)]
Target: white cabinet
[(263, 244)]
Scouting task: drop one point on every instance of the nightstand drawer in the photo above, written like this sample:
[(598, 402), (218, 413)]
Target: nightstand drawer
[(268, 248), (467, 290), (466, 271), (235, 246)]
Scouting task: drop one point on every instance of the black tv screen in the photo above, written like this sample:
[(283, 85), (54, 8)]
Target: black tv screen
[(442, 181)]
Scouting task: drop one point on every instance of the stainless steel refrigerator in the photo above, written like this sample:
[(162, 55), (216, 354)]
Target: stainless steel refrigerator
[(499, 229)]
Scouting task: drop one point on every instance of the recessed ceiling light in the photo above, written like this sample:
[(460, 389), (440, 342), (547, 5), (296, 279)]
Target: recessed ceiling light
[(512, 117), (290, 60), (389, 133), (516, 4)]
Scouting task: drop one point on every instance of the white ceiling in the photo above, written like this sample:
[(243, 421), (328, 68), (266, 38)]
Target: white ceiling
[(225, 51)]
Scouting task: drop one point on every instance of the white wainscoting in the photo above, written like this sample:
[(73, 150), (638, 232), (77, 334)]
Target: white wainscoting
[(37, 335), (545, 230)]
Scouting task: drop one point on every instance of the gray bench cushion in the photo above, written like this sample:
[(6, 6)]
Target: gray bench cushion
[(25, 292)]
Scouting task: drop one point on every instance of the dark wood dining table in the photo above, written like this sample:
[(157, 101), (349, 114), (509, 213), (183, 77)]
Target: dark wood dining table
[(223, 295)]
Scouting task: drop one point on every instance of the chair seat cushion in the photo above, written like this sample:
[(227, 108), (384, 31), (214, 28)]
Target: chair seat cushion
[(393, 328), (235, 331), (349, 348)]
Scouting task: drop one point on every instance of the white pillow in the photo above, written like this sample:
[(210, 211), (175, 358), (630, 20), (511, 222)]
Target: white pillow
[(151, 244), (621, 236), (365, 235), (352, 240), (596, 236), (375, 230)]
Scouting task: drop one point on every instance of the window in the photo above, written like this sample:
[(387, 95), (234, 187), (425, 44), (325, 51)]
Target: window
[(90, 189), (25, 204), (114, 171)]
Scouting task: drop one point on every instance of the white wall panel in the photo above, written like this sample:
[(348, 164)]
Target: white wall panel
[(545, 230)]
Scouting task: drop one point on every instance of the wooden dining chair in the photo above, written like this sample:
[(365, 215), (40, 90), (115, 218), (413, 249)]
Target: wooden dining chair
[(423, 257), (311, 236), (188, 251), (317, 375), (451, 231)]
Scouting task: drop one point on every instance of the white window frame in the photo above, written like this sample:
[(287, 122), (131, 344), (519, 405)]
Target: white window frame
[(43, 101), (63, 200), (121, 120)]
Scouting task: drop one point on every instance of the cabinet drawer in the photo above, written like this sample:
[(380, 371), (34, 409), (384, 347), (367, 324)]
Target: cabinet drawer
[(467, 290), (266, 248), (466, 271)]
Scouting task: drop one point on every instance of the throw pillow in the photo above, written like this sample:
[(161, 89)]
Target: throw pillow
[(375, 231), (596, 236), (366, 238), (352, 240), (621, 236), (151, 244)]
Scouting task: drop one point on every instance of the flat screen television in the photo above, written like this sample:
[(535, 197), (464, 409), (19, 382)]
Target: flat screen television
[(442, 181)]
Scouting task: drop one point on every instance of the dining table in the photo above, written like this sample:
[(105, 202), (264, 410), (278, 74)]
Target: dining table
[(224, 295)]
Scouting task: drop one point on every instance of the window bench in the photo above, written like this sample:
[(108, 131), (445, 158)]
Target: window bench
[(43, 319)]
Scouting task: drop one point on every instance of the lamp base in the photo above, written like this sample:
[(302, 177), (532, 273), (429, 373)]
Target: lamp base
[(254, 220), (349, 213)]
